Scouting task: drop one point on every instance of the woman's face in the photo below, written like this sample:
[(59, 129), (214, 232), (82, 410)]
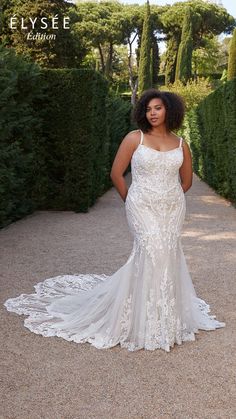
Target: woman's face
[(156, 112)]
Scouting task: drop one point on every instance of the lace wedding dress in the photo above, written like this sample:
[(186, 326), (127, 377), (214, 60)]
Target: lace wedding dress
[(150, 302)]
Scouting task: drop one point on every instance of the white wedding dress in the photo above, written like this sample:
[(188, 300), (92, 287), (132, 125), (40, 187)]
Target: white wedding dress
[(150, 302)]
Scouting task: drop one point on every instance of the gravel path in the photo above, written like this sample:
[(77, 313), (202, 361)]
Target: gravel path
[(49, 378)]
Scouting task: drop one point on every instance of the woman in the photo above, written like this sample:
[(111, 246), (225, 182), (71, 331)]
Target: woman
[(150, 302)]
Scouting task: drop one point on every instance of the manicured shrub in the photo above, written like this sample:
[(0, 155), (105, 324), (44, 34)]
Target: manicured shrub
[(75, 128), (212, 135), (60, 129), (20, 129)]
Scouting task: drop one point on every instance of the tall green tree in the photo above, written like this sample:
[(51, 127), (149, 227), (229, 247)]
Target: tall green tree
[(185, 51), (171, 59), (155, 65), (232, 58), (144, 73)]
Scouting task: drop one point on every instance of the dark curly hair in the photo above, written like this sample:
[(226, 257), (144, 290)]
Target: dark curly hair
[(174, 105)]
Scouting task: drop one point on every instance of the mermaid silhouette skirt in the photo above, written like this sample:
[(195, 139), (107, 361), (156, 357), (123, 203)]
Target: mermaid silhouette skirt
[(148, 303)]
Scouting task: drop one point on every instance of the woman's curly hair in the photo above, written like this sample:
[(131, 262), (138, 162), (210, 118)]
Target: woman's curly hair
[(174, 105)]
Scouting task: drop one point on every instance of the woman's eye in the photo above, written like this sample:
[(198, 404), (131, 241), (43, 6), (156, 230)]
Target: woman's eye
[(155, 108)]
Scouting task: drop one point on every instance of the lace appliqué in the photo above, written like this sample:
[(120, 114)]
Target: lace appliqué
[(149, 302)]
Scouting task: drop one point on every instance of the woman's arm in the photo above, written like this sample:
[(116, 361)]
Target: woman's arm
[(186, 171), (122, 160)]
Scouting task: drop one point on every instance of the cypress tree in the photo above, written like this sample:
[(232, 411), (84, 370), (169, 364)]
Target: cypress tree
[(144, 73), (155, 60), (151, 65), (184, 57), (171, 58), (232, 58)]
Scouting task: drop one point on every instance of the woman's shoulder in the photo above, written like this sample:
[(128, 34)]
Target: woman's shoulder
[(134, 134), (181, 140), (133, 137), (131, 141), (176, 136)]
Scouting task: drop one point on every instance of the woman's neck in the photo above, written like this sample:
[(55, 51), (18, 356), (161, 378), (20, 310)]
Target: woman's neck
[(161, 131)]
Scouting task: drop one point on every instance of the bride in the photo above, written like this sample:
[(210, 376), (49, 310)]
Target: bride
[(149, 302)]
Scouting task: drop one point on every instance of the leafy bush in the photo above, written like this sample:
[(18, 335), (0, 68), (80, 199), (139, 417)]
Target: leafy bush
[(193, 92)]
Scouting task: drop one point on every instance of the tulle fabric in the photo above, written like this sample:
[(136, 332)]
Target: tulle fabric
[(117, 309), (150, 302)]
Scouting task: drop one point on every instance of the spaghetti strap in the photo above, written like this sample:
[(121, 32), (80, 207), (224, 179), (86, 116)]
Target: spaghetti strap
[(141, 141), (180, 143)]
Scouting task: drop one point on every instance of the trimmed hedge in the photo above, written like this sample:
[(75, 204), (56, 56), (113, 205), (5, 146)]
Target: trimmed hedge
[(119, 123), (60, 129), (212, 135), (20, 127), (75, 127), (84, 125)]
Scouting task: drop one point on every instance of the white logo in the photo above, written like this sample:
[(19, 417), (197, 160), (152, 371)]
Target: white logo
[(45, 23)]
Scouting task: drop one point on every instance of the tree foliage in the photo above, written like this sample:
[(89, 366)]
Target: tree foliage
[(155, 60), (208, 19), (232, 58), (184, 57), (193, 92), (209, 57), (107, 24), (171, 59), (99, 30), (145, 75), (99, 25)]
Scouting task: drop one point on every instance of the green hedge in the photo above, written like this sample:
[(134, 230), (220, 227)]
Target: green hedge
[(60, 129), (84, 124), (119, 123), (20, 126), (75, 127), (212, 135)]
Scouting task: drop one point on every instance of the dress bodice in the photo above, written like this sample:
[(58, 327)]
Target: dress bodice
[(156, 170)]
